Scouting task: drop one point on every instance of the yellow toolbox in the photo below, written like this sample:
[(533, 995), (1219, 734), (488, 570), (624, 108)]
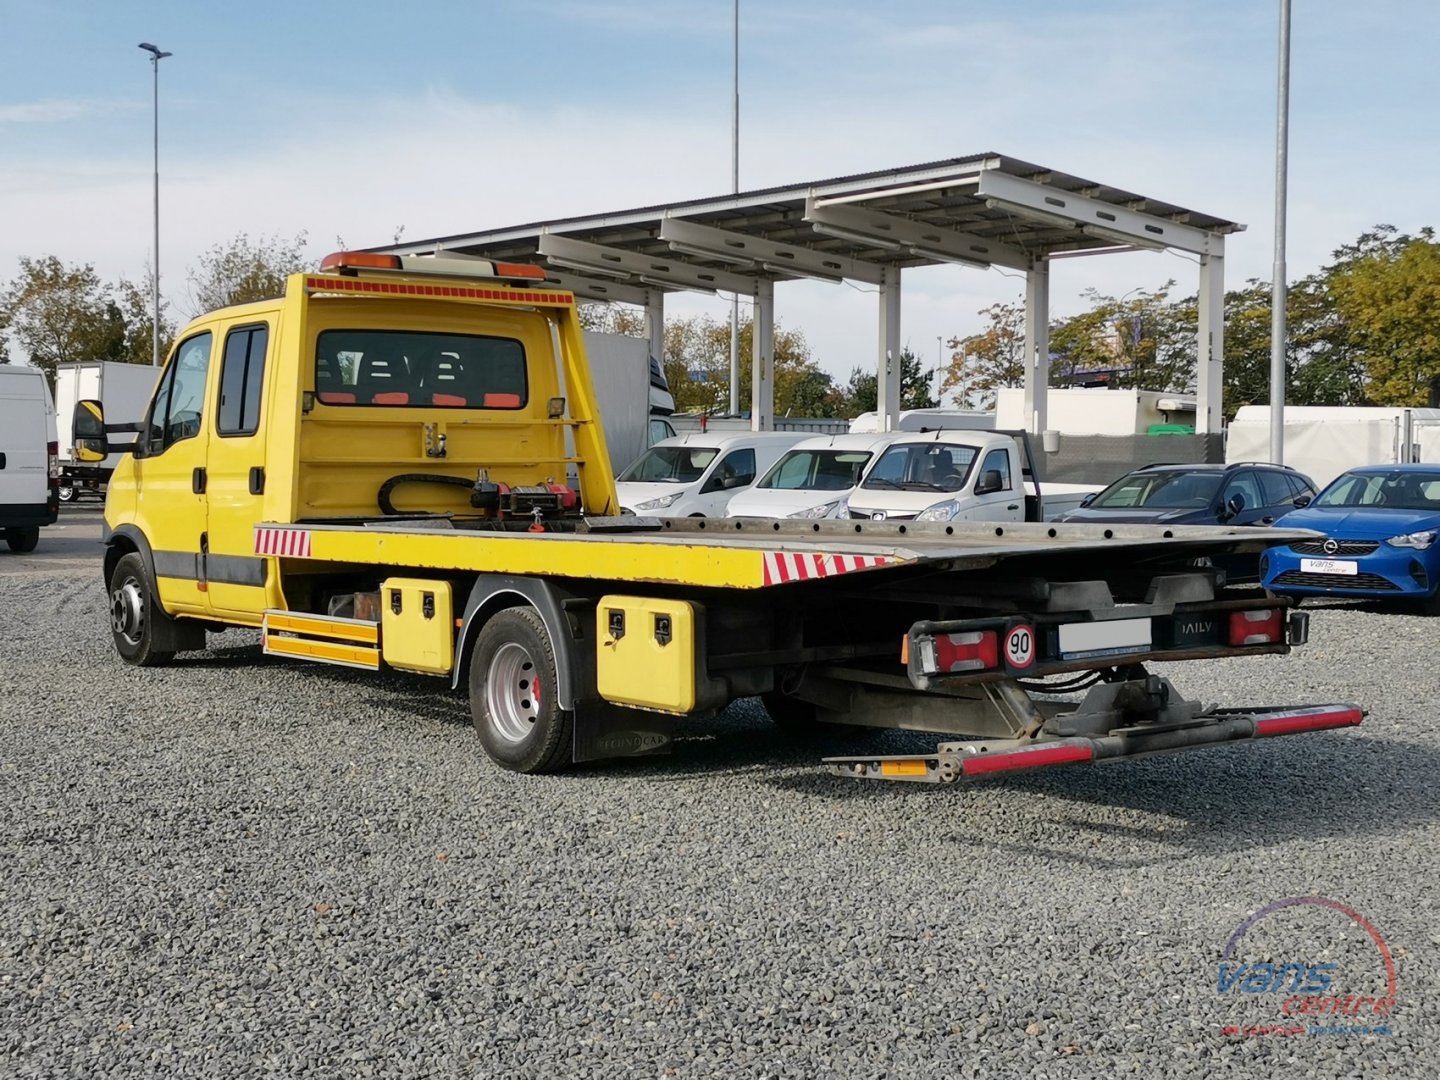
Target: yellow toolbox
[(417, 625), (647, 652)]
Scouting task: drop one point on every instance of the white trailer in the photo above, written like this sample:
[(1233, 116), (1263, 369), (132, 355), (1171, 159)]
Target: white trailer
[(1322, 441), (1099, 410), (124, 390)]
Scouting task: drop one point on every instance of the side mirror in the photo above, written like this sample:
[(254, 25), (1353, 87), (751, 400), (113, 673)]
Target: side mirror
[(1236, 504), (734, 482), (87, 427), (990, 481), (1302, 500), (1088, 499)]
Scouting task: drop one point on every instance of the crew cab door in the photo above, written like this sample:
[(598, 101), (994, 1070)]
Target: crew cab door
[(732, 473), (170, 475), (236, 480), (1005, 502)]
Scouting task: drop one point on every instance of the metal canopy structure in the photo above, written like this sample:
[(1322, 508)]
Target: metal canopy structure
[(980, 211)]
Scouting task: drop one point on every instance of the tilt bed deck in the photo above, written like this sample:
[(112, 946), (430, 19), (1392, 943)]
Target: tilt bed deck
[(735, 553)]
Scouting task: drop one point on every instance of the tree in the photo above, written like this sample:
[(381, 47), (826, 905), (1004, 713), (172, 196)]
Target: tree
[(58, 313), (136, 310), (983, 363), (1386, 288), (862, 393), (243, 270)]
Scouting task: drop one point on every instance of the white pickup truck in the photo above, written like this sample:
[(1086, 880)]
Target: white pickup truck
[(951, 475)]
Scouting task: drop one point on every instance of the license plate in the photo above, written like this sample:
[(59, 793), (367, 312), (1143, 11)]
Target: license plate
[(1329, 566), (1080, 640)]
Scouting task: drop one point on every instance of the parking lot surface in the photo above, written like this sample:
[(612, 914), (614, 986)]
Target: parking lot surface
[(239, 867)]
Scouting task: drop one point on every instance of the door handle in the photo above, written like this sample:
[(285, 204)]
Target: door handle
[(197, 480), (1013, 506), (2, 461), (257, 480)]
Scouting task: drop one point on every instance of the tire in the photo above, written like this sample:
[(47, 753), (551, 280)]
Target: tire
[(792, 715), (134, 614), (513, 656), (22, 541), (68, 493)]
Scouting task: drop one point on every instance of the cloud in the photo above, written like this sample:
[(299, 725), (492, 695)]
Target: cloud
[(45, 112)]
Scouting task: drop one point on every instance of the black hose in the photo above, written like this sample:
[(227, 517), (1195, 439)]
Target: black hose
[(1083, 681), (383, 498)]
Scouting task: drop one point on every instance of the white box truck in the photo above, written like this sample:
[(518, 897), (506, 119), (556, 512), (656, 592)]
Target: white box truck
[(29, 471), (124, 390), (632, 395)]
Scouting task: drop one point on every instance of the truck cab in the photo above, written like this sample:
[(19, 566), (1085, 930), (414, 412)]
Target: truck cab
[(326, 404)]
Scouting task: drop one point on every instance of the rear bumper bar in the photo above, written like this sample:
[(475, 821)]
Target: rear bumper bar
[(969, 761)]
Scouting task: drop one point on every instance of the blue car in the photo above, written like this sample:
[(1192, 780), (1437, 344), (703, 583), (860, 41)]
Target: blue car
[(1381, 524)]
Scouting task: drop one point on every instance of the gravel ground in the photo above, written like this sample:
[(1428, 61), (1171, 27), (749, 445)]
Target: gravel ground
[(238, 867)]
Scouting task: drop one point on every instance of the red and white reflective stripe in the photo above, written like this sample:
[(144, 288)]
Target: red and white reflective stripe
[(1031, 757), (292, 543), (782, 567), (1292, 723)]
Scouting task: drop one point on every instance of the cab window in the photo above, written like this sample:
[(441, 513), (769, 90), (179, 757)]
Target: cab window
[(179, 404), (242, 372), (410, 368), (997, 461), (735, 470)]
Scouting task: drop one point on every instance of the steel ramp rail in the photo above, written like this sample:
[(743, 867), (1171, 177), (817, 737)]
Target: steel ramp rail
[(954, 761)]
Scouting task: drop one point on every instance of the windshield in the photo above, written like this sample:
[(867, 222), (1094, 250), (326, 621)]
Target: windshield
[(1172, 489), (671, 464), (1388, 491), (927, 466), (816, 470)]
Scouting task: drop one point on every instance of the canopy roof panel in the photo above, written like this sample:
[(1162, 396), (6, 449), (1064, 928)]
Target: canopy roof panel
[(982, 210)]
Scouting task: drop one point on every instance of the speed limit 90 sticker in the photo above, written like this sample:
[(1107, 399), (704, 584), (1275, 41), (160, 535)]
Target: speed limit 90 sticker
[(1020, 646)]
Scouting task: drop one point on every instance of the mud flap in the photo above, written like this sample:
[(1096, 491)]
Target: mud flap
[(603, 730)]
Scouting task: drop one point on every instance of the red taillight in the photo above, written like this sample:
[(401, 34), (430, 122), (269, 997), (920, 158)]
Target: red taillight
[(1312, 720), (52, 450), (1031, 757), (974, 650), (1258, 626), (359, 260)]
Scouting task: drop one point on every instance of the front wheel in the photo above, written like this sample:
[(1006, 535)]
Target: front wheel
[(134, 614), (513, 695), (22, 541)]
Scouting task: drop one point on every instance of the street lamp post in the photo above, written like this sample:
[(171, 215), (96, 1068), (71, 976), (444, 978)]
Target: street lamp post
[(156, 55), (1279, 289)]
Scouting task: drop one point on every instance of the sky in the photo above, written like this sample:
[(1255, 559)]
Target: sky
[(350, 122)]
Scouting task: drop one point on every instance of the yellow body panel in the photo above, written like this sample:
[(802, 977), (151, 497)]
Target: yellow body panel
[(417, 620), (650, 661)]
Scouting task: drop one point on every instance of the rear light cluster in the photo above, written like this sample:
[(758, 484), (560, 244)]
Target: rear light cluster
[(975, 650), (52, 451), (1258, 626)]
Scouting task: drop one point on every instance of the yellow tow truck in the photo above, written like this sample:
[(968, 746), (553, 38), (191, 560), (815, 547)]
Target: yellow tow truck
[(398, 464)]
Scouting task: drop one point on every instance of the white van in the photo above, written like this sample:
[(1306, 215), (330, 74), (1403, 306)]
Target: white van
[(29, 457), (695, 475), (813, 480)]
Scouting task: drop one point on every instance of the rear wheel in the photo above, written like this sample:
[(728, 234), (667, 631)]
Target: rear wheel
[(134, 614), (67, 493), (22, 541), (513, 695)]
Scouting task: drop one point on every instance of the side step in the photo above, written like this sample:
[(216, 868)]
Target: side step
[(351, 643), (954, 761)]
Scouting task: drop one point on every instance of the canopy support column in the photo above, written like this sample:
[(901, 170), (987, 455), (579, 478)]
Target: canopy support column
[(1210, 345), (762, 358), (887, 373), (655, 324), (1037, 345)]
